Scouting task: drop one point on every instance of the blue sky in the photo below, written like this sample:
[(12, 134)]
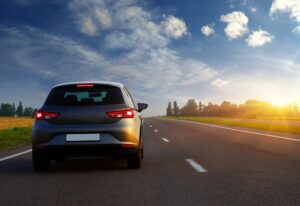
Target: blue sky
[(162, 50)]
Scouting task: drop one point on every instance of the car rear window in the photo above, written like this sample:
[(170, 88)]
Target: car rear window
[(85, 95)]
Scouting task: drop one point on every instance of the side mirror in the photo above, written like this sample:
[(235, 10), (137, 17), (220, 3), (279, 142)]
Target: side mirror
[(142, 106)]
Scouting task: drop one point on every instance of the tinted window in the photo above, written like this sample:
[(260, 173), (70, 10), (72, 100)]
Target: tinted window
[(96, 95)]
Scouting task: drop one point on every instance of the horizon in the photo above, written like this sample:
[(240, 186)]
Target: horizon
[(161, 50), (278, 106)]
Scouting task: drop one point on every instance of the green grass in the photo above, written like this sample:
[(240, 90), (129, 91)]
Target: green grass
[(284, 127), (15, 137)]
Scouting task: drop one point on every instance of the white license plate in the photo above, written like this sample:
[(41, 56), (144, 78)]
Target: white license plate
[(82, 137)]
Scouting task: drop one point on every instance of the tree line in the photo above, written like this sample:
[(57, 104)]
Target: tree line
[(250, 109), (10, 109)]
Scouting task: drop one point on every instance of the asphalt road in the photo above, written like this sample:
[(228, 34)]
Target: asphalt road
[(185, 164)]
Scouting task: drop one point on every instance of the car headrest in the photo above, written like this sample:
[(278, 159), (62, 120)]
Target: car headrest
[(71, 99)]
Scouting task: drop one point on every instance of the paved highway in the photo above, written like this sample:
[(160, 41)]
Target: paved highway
[(185, 164)]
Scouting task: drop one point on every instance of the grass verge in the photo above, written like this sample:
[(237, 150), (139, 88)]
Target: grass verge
[(14, 137), (293, 129)]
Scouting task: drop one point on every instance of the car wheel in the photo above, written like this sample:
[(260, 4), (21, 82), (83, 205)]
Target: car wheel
[(40, 162), (134, 161)]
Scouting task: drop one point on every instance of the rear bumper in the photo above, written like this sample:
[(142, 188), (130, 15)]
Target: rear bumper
[(57, 152), (58, 147)]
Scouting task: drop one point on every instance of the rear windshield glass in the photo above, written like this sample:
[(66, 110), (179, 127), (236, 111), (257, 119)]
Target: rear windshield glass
[(93, 95)]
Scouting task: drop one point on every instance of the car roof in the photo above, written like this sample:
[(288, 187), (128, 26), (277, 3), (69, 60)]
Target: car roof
[(91, 82)]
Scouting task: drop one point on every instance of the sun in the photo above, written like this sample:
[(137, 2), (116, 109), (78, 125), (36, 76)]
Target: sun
[(280, 102)]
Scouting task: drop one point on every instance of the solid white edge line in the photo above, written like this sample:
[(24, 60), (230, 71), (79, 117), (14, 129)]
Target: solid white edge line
[(196, 165), (165, 139), (15, 155), (238, 130)]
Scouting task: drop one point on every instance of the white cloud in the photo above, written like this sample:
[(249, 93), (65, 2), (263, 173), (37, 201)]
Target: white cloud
[(104, 18), (259, 38), (253, 9), (129, 25), (174, 27), (297, 30), (148, 67), (90, 16), (135, 30), (135, 12), (286, 6), (219, 83), (207, 30), (236, 24), (133, 49), (88, 27), (143, 40)]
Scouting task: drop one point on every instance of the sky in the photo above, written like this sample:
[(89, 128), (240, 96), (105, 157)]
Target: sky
[(163, 50)]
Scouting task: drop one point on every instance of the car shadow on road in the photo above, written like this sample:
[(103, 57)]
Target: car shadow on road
[(88, 164), (24, 166)]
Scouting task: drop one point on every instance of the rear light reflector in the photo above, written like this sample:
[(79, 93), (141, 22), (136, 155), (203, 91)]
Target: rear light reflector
[(122, 113), (40, 115), (84, 85), (128, 145), (39, 146)]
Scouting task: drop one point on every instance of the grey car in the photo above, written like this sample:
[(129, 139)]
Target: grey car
[(88, 119)]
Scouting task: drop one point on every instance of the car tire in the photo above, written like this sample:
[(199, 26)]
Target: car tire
[(40, 162), (134, 161), (142, 147)]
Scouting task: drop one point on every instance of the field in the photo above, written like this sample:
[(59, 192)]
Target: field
[(14, 132), (277, 125), (11, 122)]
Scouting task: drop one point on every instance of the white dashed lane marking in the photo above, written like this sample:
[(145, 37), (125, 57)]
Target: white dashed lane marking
[(165, 140), (195, 165)]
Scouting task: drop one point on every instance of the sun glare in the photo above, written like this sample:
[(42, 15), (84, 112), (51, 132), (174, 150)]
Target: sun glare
[(280, 102)]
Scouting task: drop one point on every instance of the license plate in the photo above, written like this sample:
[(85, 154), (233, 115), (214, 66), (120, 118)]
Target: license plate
[(82, 137)]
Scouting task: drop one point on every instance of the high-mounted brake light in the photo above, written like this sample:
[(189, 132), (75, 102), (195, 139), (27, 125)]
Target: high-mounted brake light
[(122, 113), (84, 85), (40, 115)]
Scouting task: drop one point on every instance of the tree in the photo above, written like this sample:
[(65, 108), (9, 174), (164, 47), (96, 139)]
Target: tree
[(14, 109), (7, 109), (190, 109), (28, 111), (19, 111), (200, 108), (33, 113), (175, 109), (169, 109)]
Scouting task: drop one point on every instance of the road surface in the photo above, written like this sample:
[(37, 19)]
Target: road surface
[(185, 164)]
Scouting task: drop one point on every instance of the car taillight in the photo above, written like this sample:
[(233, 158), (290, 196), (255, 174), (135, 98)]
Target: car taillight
[(40, 115), (122, 113)]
